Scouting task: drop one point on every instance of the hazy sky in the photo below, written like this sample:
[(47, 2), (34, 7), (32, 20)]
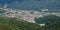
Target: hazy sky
[(9, 1), (32, 4)]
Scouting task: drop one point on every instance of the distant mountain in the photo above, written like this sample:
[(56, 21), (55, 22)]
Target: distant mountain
[(9, 1), (32, 4)]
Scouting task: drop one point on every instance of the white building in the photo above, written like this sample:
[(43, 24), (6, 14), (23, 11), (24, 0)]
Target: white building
[(42, 24), (44, 10)]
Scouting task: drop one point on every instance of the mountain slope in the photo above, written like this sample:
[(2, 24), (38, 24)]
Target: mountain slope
[(15, 24)]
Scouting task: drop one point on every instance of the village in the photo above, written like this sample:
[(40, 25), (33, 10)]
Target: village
[(27, 15)]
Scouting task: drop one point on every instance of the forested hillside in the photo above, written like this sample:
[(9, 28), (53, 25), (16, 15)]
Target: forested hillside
[(52, 23), (16, 24)]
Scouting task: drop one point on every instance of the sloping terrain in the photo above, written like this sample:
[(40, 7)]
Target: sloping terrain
[(52, 22), (16, 24), (19, 24)]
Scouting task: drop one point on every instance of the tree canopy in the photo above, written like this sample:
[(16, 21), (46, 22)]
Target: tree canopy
[(16, 24), (52, 22), (2, 11)]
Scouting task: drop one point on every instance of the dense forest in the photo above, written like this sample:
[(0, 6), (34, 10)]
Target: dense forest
[(52, 23), (16, 24)]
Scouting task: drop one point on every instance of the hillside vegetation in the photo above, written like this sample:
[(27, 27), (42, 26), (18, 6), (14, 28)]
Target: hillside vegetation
[(2, 11), (16, 24), (52, 23)]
